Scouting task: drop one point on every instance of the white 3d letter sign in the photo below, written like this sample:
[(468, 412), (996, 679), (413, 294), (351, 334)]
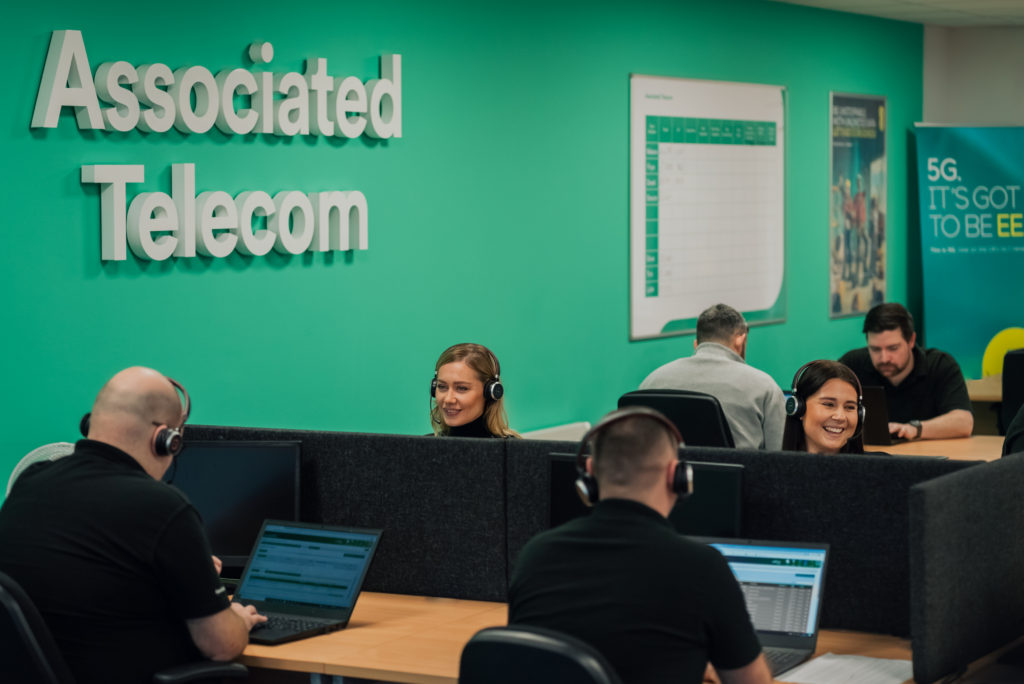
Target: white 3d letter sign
[(156, 225), (153, 97), (192, 99)]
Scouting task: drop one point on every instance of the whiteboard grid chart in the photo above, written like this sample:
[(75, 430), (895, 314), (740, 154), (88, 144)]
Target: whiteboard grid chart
[(708, 209)]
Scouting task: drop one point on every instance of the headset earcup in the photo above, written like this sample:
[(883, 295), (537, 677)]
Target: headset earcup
[(433, 387), (794, 407), (494, 390), (862, 413), (83, 425), (167, 441), (586, 487), (682, 481)]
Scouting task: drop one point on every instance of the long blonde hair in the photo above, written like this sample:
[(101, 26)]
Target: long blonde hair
[(485, 364)]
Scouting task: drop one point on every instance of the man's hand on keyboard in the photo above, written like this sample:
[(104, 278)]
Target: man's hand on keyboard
[(249, 614)]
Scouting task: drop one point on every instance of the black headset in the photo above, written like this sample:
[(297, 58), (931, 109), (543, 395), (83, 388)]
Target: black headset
[(167, 441), (493, 389), (796, 407), (586, 484)]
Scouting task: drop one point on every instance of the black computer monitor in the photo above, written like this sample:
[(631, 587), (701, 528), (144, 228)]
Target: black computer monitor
[(713, 510), (235, 486)]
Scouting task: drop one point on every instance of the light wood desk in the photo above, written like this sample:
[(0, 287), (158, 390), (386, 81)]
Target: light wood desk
[(976, 447), (391, 637), (400, 638), (986, 389)]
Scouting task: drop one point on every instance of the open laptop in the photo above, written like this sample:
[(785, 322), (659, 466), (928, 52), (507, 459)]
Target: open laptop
[(876, 417), (305, 578), (783, 584)]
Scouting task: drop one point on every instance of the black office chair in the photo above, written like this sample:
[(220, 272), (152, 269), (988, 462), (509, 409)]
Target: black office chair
[(518, 654), (30, 654), (698, 416), (1013, 387)]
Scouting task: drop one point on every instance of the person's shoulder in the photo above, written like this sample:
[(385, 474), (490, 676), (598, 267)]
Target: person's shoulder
[(855, 356), (663, 373), (760, 376), (936, 357), (540, 547), (699, 558), (153, 495)]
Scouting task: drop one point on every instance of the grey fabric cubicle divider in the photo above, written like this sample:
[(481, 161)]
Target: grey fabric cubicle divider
[(528, 489), (966, 566), (441, 503), (857, 504)]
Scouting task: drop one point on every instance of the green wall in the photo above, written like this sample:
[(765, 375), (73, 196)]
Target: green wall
[(500, 216)]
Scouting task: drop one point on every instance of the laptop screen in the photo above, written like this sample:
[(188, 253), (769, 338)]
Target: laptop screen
[(312, 565), (782, 584)]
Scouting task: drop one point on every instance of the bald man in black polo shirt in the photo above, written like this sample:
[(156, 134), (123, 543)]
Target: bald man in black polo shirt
[(657, 605), (116, 561)]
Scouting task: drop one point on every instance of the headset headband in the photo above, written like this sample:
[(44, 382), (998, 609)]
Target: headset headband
[(617, 416), (586, 484)]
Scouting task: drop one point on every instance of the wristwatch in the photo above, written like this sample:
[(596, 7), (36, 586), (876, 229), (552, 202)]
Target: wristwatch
[(916, 424)]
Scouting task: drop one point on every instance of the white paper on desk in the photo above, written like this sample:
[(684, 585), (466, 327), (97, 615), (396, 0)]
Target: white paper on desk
[(849, 669)]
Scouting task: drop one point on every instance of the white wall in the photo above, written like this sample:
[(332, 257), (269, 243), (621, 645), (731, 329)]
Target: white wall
[(974, 75)]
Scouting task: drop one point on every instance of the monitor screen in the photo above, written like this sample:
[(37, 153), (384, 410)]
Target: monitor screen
[(235, 486), (713, 510)]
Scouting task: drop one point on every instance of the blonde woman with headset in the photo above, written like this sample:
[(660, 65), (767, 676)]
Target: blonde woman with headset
[(467, 397)]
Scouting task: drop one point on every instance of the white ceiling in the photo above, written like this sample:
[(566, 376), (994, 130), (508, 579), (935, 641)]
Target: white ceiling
[(938, 12)]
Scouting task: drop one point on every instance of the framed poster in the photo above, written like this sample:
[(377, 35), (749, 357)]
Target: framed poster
[(857, 204), (707, 219)]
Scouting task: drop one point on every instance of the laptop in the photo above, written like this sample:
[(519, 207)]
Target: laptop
[(305, 577), (783, 584), (713, 510), (876, 417)]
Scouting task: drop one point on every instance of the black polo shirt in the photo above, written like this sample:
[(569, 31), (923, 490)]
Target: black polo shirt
[(1014, 442), (114, 560), (657, 605), (934, 387)]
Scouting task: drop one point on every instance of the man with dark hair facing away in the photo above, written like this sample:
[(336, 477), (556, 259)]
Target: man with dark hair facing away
[(657, 605)]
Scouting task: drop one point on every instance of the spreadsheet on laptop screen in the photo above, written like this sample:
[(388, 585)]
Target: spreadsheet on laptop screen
[(308, 566), (781, 585)]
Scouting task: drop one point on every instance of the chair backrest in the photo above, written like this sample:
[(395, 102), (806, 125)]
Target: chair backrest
[(698, 416), (1013, 385), (47, 452), (517, 654), (29, 651)]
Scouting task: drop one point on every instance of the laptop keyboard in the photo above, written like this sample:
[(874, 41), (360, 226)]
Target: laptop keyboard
[(782, 659), (287, 623)]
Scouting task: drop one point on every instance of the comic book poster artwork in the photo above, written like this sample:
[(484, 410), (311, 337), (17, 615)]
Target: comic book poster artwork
[(857, 208)]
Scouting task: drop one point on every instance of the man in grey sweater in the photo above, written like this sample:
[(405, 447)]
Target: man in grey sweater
[(752, 401)]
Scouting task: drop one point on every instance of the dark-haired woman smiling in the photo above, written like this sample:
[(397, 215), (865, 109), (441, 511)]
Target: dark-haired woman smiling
[(824, 411)]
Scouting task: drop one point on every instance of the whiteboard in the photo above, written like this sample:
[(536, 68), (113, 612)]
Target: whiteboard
[(707, 214)]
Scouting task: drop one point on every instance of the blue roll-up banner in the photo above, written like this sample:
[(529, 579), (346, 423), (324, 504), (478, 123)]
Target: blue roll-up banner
[(970, 184)]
